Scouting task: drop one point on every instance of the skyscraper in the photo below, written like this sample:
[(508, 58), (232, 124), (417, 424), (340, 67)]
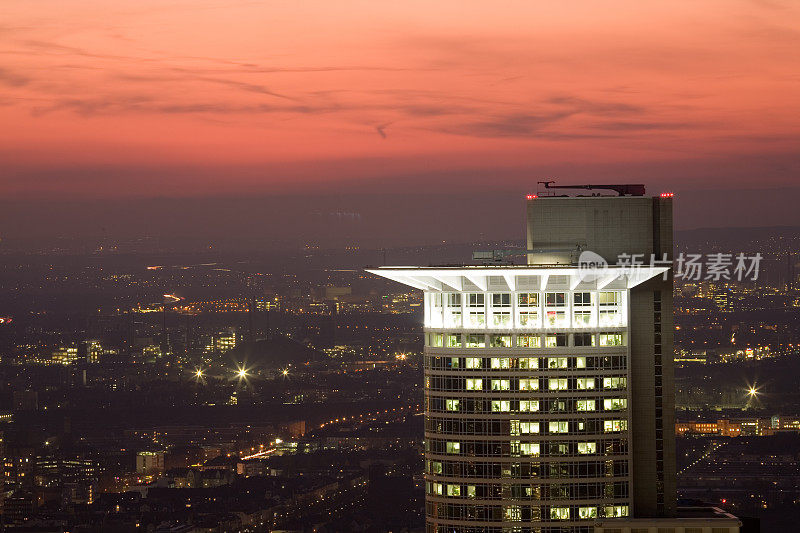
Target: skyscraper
[(548, 387)]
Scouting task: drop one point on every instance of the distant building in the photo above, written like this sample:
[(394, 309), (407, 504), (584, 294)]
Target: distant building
[(149, 463), (26, 400)]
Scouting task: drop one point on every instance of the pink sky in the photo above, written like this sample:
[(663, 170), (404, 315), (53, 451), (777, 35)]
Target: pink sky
[(138, 97)]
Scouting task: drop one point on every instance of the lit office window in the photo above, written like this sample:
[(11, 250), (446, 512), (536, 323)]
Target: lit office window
[(529, 341), (557, 384), (615, 404), (528, 363), (585, 448), (559, 513), (529, 449), (616, 511), (500, 341), (501, 384), (587, 512), (529, 428), (611, 339), (501, 406), (473, 362), (452, 405), (453, 340), (476, 341), (555, 340), (615, 382), (529, 384), (611, 426), (499, 362), (585, 405), (474, 384), (557, 362), (558, 426), (585, 383), (528, 405), (453, 447)]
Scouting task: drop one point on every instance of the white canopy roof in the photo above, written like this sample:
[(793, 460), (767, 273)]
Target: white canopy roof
[(517, 278)]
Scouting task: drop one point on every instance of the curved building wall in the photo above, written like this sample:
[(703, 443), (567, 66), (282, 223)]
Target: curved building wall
[(526, 409)]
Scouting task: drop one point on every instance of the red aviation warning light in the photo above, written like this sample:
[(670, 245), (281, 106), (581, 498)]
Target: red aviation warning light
[(667, 195), (532, 196)]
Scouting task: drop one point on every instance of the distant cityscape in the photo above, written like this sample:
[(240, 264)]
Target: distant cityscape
[(218, 394)]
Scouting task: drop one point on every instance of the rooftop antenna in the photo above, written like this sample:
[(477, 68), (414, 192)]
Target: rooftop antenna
[(630, 189)]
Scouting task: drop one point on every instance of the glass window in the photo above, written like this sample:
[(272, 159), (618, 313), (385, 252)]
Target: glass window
[(436, 467), (501, 299), (501, 319), (476, 299), (587, 512), (528, 405), (557, 384), (476, 319), (529, 384), (501, 384), (529, 428), (500, 341), (474, 384), (560, 426), (584, 339), (474, 362), (608, 298), (454, 362), (557, 362), (582, 299), (452, 405), (529, 448), (528, 362), (610, 426), (615, 404), (434, 339), (555, 299), (585, 405), (616, 511), (585, 383), (453, 447), (513, 513), (559, 513), (529, 318), (580, 362), (476, 341), (615, 382), (454, 490), (610, 318), (555, 318), (528, 299), (501, 406), (470, 491), (581, 318), (611, 339), (555, 340), (529, 341), (453, 340), (500, 362), (585, 448)]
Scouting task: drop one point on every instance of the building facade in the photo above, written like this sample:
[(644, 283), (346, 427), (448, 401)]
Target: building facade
[(527, 396), (548, 387)]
